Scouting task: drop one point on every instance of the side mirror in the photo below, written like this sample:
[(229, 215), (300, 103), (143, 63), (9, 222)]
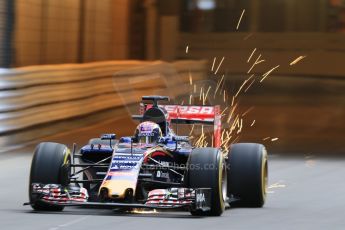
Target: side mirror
[(111, 136)]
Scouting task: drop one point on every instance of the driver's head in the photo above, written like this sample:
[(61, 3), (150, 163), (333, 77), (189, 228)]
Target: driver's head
[(148, 132)]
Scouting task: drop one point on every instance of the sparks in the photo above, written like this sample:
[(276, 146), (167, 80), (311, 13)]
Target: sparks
[(201, 92), (140, 211), (274, 139), (190, 78), (297, 60), (191, 131), (187, 47), (243, 84), (252, 123), (231, 113), (257, 61), (219, 65), (268, 73), (276, 185), (222, 113), (249, 86), (248, 36), (218, 85), (204, 98), (266, 138), (214, 61), (251, 55), (239, 21), (247, 111)]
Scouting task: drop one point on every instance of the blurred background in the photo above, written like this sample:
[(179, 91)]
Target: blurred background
[(58, 59)]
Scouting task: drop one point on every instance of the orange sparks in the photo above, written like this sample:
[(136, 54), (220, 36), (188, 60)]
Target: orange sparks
[(222, 113), (268, 73), (219, 65), (240, 124), (266, 138), (248, 36), (274, 139), (218, 85), (240, 19), (252, 123), (205, 97), (191, 131), (187, 48), (251, 55), (201, 89), (214, 61), (190, 78), (231, 113), (257, 61), (243, 84), (247, 111), (249, 86), (235, 141), (297, 60)]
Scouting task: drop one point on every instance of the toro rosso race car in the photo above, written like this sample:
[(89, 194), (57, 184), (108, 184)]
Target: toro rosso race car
[(154, 169)]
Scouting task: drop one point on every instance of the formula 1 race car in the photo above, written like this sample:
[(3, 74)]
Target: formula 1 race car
[(154, 169)]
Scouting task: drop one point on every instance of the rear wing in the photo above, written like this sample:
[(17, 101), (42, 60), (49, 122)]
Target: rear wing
[(190, 114)]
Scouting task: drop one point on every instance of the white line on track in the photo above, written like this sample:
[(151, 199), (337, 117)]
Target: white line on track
[(69, 223)]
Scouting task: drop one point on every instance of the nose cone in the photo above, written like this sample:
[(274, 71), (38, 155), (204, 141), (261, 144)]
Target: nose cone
[(117, 189)]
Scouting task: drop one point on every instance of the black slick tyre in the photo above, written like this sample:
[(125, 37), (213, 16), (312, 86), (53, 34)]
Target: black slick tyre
[(247, 174), (207, 169), (50, 165)]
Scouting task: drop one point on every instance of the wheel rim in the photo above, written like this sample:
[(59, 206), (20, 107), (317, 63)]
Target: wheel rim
[(264, 174), (224, 183)]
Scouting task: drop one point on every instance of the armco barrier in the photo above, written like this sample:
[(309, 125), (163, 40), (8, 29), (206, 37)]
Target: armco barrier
[(40, 95)]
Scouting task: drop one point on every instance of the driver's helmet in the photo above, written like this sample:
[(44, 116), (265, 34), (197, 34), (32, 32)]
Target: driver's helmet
[(148, 132)]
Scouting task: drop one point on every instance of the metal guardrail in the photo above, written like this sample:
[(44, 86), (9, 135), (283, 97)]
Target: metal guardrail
[(39, 95)]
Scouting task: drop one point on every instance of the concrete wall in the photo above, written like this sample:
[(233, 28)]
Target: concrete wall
[(6, 32), (70, 31), (46, 31), (324, 51)]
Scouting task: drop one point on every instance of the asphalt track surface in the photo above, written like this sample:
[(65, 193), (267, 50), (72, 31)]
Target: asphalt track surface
[(305, 192)]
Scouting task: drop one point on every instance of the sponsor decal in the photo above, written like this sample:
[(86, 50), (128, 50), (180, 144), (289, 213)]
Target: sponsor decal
[(200, 198), (189, 109), (162, 175), (121, 173)]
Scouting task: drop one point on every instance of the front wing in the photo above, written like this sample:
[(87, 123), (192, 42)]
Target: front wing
[(173, 198)]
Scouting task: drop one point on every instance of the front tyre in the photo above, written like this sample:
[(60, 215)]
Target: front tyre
[(50, 165), (207, 169), (247, 174)]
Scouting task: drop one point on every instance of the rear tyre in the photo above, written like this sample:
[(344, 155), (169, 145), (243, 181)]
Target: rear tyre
[(207, 169), (50, 165), (247, 174)]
